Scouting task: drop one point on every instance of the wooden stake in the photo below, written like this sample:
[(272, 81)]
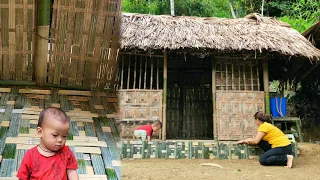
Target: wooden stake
[(258, 78), (239, 70), (244, 77), (135, 72), (122, 70), (151, 78), (140, 72), (128, 80), (145, 73), (215, 124), (227, 84), (164, 119), (251, 74), (221, 76), (42, 43), (232, 76), (157, 74), (266, 86)]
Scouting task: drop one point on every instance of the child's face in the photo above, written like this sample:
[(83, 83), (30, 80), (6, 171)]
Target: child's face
[(155, 128), (53, 133)]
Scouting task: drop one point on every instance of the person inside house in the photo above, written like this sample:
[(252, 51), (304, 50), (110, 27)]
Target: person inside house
[(145, 132), (275, 144), (51, 159)]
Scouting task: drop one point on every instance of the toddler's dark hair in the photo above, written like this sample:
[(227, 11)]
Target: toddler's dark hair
[(157, 123), (51, 111)]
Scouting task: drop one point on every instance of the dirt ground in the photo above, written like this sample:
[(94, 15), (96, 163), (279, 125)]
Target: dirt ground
[(305, 167)]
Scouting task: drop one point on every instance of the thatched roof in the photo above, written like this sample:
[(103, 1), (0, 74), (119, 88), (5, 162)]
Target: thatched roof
[(313, 34), (253, 33)]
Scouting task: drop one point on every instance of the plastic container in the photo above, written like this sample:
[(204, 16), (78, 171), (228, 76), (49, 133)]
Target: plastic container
[(278, 107)]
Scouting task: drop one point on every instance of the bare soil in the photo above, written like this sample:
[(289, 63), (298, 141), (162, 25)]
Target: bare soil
[(305, 167)]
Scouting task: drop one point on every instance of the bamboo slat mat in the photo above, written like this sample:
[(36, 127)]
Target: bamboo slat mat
[(92, 135)]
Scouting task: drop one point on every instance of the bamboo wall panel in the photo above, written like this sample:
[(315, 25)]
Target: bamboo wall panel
[(138, 107), (17, 39), (235, 112), (84, 43)]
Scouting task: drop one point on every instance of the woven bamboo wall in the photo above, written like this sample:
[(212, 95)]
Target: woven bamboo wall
[(235, 112), (17, 37), (138, 107), (84, 43)]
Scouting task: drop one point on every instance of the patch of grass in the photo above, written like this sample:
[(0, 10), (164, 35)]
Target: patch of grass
[(111, 173), (24, 130), (9, 151)]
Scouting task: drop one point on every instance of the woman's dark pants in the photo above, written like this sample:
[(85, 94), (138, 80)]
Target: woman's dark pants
[(274, 156)]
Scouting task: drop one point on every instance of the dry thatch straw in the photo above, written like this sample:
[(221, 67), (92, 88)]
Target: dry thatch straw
[(313, 34), (253, 33)]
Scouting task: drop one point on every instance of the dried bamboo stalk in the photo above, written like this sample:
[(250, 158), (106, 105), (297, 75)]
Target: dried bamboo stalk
[(157, 74), (251, 73), (232, 76), (122, 70), (258, 78), (135, 72), (221, 76), (128, 80), (140, 72), (151, 78), (244, 77), (239, 70), (145, 73), (227, 83)]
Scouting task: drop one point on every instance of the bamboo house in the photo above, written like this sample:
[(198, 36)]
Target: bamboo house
[(203, 78)]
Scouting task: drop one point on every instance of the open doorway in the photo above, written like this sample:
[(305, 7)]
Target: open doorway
[(189, 98)]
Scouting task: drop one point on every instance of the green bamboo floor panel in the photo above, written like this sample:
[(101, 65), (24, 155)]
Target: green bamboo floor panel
[(12, 108)]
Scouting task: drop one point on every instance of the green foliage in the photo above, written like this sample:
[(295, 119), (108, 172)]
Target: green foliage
[(298, 24), (202, 8), (301, 14)]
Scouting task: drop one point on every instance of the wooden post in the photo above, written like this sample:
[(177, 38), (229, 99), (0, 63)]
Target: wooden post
[(215, 124), (42, 41), (164, 116), (266, 86)]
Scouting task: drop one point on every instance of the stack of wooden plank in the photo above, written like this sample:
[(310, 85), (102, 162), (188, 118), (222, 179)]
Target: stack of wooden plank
[(92, 134)]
